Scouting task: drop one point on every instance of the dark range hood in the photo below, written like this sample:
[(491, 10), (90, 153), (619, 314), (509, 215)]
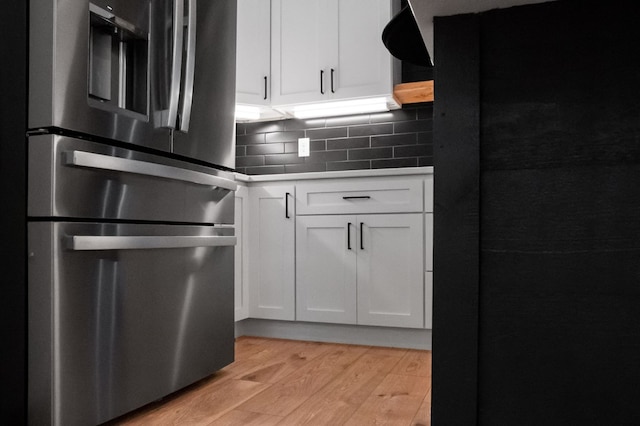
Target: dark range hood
[(403, 39)]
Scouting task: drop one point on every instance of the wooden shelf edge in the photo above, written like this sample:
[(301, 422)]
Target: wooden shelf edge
[(412, 93)]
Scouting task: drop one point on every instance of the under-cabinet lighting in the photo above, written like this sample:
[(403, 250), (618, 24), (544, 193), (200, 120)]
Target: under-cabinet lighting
[(247, 112), (330, 109)]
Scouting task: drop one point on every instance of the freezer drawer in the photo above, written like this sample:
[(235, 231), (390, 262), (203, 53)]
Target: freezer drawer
[(73, 178), (123, 314)]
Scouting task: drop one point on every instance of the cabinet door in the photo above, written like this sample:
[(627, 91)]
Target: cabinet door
[(253, 58), (361, 65), (326, 269), (241, 265), (391, 270), (272, 252), (299, 30)]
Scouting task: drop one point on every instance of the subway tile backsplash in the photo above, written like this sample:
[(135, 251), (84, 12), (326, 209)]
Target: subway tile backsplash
[(400, 138)]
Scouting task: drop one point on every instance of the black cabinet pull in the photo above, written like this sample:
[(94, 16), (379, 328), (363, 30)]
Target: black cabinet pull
[(349, 235), (265, 87), (356, 197), (322, 82), (361, 236), (286, 205), (332, 72)]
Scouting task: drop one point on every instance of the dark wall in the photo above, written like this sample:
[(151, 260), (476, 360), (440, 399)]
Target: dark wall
[(456, 273), (13, 123), (554, 287), (400, 138)]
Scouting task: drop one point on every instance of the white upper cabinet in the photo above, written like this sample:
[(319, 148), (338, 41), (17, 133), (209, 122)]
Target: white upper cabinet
[(253, 58), (298, 49), (362, 65), (329, 50)]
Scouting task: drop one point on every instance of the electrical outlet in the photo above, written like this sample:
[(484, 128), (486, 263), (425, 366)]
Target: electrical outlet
[(303, 147)]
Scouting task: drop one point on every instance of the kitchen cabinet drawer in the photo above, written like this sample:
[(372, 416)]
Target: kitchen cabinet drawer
[(352, 196)]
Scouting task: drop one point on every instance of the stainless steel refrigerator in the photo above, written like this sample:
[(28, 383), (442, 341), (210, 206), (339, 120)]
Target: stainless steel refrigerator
[(130, 202)]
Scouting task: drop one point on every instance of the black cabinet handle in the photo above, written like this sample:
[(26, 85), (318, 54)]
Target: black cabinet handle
[(265, 87), (349, 235), (322, 82), (332, 72), (286, 205), (361, 236), (356, 197)]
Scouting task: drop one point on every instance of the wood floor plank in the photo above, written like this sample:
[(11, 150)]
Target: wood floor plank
[(423, 416), (335, 403), (396, 352), (285, 396), (415, 363), (202, 409), (286, 362), (262, 352), (247, 346), (394, 402), (246, 418)]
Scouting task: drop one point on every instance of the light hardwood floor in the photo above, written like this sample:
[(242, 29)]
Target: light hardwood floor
[(288, 382)]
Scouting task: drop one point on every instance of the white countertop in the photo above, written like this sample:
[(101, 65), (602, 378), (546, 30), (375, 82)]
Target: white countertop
[(401, 171)]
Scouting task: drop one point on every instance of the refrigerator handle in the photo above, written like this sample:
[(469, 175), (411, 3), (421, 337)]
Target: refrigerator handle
[(189, 70), (144, 242), (145, 168), (170, 116)]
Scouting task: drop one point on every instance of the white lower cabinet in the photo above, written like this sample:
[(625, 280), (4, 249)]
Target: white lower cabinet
[(326, 269), (272, 252), (241, 265), (361, 269), (390, 270)]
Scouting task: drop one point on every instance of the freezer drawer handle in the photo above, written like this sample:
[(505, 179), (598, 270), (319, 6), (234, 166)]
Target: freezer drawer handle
[(119, 164), (83, 242)]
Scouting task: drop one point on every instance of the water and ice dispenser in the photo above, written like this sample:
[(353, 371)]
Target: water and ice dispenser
[(118, 63)]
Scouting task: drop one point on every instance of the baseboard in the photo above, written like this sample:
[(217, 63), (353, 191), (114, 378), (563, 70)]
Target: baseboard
[(409, 338)]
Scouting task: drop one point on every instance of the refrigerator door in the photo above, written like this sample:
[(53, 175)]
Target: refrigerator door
[(211, 128), (124, 314), (136, 71)]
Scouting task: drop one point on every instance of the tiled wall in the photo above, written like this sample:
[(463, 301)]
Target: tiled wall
[(400, 138)]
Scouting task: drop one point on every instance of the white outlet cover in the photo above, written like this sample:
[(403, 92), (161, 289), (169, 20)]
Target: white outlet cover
[(303, 147)]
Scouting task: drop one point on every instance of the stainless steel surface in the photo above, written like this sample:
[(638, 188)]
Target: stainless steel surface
[(213, 114), (150, 192), (119, 164), (132, 242), (74, 89), (116, 329), (189, 70)]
